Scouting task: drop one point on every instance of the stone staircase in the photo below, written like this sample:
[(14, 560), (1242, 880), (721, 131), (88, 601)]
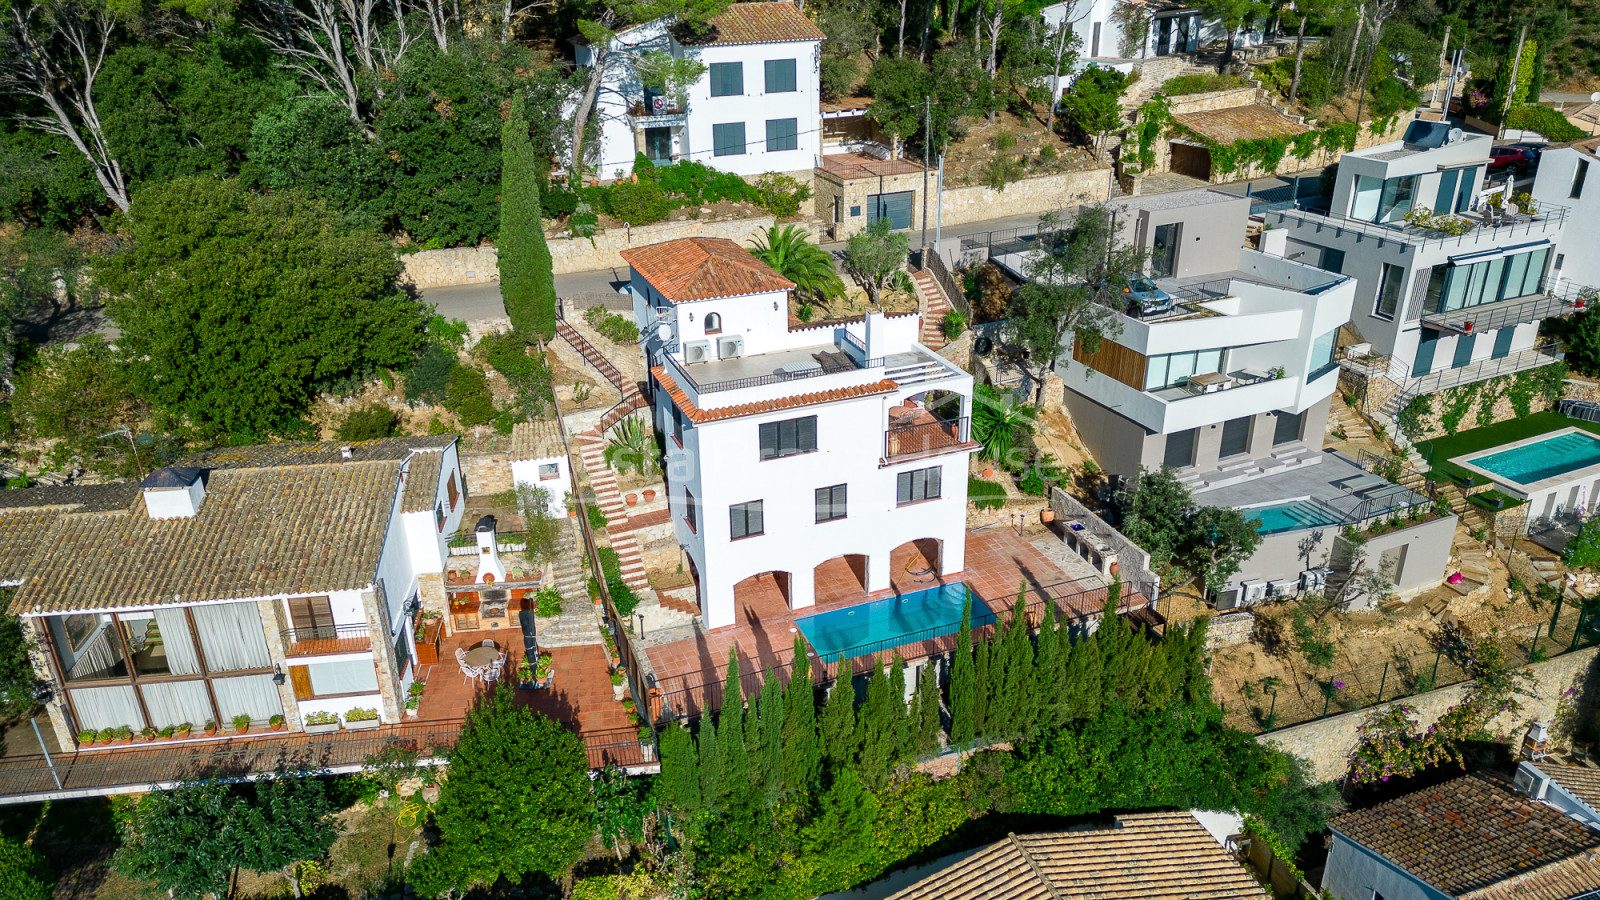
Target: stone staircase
[(633, 398), (579, 622), (1347, 421), (1471, 563), (934, 308), (1154, 74), (1234, 471)]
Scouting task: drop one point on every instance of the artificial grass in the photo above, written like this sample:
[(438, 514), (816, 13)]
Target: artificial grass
[(1438, 451), (1486, 500)]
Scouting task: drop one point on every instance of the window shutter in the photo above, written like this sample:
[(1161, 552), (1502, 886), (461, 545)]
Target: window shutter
[(780, 76), (807, 434), (300, 677), (903, 488), (753, 519), (769, 441), (934, 486)]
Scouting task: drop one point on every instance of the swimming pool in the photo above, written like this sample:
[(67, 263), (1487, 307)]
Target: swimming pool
[(890, 622), (1539, 460), (1290, 516)]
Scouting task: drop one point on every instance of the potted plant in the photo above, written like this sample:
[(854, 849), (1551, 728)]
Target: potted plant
[(361, 718), (147, 734), (276, 722), (167, 733), (183, 730), (628, 706), (544, 671), (211, 727), (125, 735), (87, 738), (1047, 515), (105, 737), (241, 723), (525, 675), (321, 723), (619, 684), (647, 744), (414, 699)]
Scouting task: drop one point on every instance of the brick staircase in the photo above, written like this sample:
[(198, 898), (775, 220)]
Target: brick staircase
[(633, 398), (934, 308), (591, 448)]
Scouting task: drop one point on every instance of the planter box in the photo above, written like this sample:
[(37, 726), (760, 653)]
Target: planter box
[(362, 725), (322, 729), (428, 646)]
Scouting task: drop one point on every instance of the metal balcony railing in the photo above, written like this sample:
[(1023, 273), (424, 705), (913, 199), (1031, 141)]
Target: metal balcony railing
[(925, 438), (1547, 216), (1552, 300), (325, 639), (681, 373)]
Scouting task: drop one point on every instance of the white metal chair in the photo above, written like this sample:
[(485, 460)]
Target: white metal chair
[(467, 672), (489, 644), (492, 674)]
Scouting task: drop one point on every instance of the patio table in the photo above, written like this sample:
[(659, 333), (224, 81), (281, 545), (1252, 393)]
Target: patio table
[(482, 657)]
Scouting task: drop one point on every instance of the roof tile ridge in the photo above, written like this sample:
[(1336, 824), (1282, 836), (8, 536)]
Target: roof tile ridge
[(1033, 865)]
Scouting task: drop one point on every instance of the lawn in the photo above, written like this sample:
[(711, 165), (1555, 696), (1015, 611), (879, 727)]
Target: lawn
[(1446, 447)]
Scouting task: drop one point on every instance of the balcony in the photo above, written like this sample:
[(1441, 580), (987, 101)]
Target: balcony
[(671, 113), (325, 640), (924, 437), (1485, 228), (1552, 302)]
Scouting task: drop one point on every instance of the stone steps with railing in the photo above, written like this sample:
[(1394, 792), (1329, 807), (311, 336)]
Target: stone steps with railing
[(934, 309)]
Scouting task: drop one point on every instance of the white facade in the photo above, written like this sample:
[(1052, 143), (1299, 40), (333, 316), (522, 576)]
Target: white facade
[(1570, 176), (1173, 29), (769, 89), (733, 437)]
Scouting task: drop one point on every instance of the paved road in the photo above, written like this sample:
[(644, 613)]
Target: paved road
[(482, 301)]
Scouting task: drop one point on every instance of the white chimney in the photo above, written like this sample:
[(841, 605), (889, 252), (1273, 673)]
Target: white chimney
[(174, 492), (346, 452), (490, 571)]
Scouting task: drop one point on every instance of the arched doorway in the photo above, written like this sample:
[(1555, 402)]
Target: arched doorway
[(765, 591), (915, 565), (841, 579)]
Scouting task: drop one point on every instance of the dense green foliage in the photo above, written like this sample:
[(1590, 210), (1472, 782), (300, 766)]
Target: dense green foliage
[(1201, 543), (527, 275), (235, 308), (534, 775), (788, 251), (24, 875), (369, 422)]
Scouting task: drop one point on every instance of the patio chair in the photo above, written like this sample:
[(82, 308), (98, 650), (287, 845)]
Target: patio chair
[(488, 643), (492, 674), (467, 672)]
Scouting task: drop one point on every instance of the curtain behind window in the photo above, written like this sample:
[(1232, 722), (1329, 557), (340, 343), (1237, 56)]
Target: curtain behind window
[(251, 695), (173, 703), (232, 637), (181, 656), (353, 677), (107, 707)]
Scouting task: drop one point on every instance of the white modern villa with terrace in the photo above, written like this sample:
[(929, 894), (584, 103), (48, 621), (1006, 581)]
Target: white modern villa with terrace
[(251, 582), (755, 110), (792, 448)]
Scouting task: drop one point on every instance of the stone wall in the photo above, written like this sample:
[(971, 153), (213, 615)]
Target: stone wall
[(1289, 165), (1029, 196), (1229, 629), (477, 265), (1328, 743), (1207, 101)]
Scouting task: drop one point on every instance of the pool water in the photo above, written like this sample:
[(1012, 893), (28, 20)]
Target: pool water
[(1290, 516), (1543, 459), (890, 622)]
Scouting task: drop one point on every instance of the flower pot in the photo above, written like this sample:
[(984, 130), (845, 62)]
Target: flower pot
[(211, 731), (631, 499), (1047, 516), (243, 730), (361, 725), (617, 690), (988, 473), (325, 728), (572, 514), (411, 713), (278, 727), (181, 735), (649, 495)]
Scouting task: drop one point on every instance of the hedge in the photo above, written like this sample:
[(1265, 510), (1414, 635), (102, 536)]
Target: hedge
[(1548, 122)]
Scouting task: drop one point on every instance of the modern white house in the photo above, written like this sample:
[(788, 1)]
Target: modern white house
[(755, 110), (276, 580), (788, 444), (1440, 301), (1570, 176), (1172, 28)]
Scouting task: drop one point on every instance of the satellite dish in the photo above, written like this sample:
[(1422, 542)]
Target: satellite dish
[(663, 332), (1594, 97), (1455, 135)]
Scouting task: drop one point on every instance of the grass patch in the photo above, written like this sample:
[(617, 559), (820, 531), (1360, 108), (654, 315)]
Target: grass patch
[(1495, 501), (985, 494), (1440, 450)]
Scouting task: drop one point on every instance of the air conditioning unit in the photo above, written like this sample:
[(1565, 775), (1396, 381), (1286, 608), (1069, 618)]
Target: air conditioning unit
[(1312, 580), (730, 347), (1228, 599), (696, 351), (1286, 587), (1252, 592)]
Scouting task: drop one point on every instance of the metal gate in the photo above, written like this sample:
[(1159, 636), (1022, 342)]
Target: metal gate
[(894, 207)]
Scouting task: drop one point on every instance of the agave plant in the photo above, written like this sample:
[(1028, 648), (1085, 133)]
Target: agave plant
[(633, 447), (784, 248)]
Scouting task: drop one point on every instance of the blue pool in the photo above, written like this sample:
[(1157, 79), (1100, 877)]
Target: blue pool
[(1543, 459), (890, 622), (1291, 516)]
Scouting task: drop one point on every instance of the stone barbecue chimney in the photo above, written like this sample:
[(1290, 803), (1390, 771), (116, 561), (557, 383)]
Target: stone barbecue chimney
[(490, 571)]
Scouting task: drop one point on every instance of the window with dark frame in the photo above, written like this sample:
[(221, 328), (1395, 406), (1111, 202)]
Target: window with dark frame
[(549, 471), (311, 618), (727, 79), (691, 513), (713, 323), (727, 139), (831, 503), (788, 438), (782, 134), (745, 520), (438, 515), (780, 76), (1389, 287), (918, 485)]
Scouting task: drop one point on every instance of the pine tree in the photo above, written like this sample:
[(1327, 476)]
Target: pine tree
[(926, 741), (983, 693), (710, 764), (734, 779), (963, 681), (679, 784), (527, 277), (839, 722), (1048, 671), (772, 735), (901, 722), (802, 756)]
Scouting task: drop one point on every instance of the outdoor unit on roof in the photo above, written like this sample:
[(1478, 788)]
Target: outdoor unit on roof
[(1252, 592), (1313, 579), (1286, 587), (696, 351), (730, 347)]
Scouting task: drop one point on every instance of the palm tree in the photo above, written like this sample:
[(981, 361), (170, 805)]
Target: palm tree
[(784, 248)]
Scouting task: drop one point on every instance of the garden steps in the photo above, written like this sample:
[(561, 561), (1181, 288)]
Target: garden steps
[(630, 560), (1348, 421), (579, 622), (934, 308)]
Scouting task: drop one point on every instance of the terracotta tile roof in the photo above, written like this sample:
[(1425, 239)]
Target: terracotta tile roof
[(704, 268), (697, 415), (312, 453), (539, 439), (422, 482), (20, 533), (1149, 856), (1475, 833), (1239, 123), (1558, 881), (763, 23), (1582, 781), (258, 532), (81, 497)]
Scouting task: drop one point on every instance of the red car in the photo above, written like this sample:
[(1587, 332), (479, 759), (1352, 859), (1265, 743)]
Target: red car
[(1518, 159)]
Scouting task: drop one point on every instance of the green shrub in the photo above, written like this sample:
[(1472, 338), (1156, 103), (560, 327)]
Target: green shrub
[(429, 377), (547, 602), (1583, 551), (526, 373), (1544, 120), (469, 398), (686, 179), (1200, 83), (727, 186), (781, 195), (985, 494), (24, 874), (954, 324), (839, 76), (639, 203), (366, 423), (556, 202), (615, 328), (597, 516)]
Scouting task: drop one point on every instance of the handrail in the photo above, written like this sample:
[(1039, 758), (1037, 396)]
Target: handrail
[(932, 262), (925, 438), (352, 633), (1549, 214), (1551, 299)]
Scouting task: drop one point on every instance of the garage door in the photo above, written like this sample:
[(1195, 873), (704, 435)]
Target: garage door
[(894, 207)]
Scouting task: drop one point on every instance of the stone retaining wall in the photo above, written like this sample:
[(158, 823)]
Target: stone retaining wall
[(1328, 743), (974, 203), (1207, 101)]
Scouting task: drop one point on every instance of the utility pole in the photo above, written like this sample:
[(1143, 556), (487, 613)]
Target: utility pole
[(938, 215), (1511, 86), (927, 145)]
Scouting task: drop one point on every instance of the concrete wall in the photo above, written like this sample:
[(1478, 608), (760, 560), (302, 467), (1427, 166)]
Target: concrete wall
[(1286, 555), (1209, 241), (1554, 185), (1119, 444), (1208, 101), (1328, 743), (1031, 196)]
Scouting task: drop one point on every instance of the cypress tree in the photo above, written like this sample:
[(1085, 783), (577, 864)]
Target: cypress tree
[(926, 740), (1084, 688), (527, 278), (679, 784), (1022, 686), (983, 693), (734, 779), (772, 735), (710, 764), (752, 746), (839, 722), (802, 757), (874, 729), (963, 683), (1047, 671), (901, 721)]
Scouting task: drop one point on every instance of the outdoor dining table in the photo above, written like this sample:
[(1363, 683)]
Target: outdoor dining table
[(482, 657)]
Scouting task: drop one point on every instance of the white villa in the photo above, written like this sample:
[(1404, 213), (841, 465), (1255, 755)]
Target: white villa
[(793, 444), (1570, 176), (276, 580), (755, 110)]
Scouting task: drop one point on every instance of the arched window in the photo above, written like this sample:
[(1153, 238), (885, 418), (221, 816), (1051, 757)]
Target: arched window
[(713, 323)]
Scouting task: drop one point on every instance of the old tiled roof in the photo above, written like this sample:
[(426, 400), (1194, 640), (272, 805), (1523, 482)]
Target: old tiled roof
[(1240, 123), (1474, 833), (82, 497), (311, 453), (258, 532), (1149, 856), (704, 268), (539, 439), (1582, 781), (1558, 881), (20, 533), (697, 415), (422, 482), (763, 23)]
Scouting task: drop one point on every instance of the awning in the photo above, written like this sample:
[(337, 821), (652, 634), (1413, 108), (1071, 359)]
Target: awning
[(1467, 259)]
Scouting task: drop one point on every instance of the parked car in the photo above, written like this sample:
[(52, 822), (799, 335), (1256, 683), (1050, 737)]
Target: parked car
[(1517, 159), (1144, 298)]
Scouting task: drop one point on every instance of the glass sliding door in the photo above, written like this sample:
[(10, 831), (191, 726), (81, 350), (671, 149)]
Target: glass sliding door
[(1164, 250)]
